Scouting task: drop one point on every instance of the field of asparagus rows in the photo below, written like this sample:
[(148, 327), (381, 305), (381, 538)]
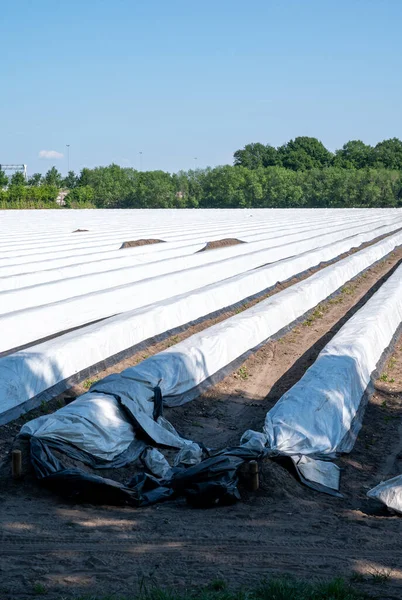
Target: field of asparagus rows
[(71, 297)]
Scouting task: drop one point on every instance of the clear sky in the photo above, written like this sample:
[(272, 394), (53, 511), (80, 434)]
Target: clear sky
[(188, 82)]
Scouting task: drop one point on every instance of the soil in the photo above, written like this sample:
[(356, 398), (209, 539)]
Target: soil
[(284, 527), (135, 243), (221, 244)]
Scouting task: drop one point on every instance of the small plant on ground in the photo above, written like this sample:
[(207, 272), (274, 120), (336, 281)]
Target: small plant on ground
[(243, 373), (88, 382), (60, 403), (391, 363), (218, 585), (173, 340), (39, 589), (347, 290), (380, 576), (318, 313), (384, 377)]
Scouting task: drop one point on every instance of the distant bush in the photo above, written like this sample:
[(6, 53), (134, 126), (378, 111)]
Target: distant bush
[(22, 196)]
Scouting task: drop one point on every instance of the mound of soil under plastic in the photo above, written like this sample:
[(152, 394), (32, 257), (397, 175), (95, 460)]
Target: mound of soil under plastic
[(135, 243), (221, 244)]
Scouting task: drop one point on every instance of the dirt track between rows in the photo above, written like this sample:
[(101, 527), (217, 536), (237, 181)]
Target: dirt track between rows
[(284, 527)]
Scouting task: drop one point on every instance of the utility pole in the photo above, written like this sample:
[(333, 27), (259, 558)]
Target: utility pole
[(68, 158)]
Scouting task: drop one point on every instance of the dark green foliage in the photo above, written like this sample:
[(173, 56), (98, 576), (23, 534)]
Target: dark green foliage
[(70, 181), (112, 185), (254, 156), (53, 178), (21, 196), (304, 153), (3, 179), (35, 180), (388, 154), (354, 155), (17, 179), (81, 197)]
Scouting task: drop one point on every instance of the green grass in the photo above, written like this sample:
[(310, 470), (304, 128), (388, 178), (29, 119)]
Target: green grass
[(357, 577), (283, 588), (379, 577), (39, 589)]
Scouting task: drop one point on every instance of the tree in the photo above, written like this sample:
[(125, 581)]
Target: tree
[(71, 180), (304, 153), (282, 189), (3, 179), (17, 179), (224, 187), (53, 178), (153, 189), (42, 195), (34, 180), (388, 154), (113, 186), (254, 156), (80, 196), (354, 155)]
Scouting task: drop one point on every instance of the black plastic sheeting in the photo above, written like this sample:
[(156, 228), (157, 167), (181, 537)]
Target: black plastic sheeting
[(210, 483)]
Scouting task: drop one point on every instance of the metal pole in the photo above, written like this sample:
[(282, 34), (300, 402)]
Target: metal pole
[(140, 153), (68, 158)]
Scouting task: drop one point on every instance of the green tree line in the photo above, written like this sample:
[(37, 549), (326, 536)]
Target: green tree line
[(304, 153), (301, 173)]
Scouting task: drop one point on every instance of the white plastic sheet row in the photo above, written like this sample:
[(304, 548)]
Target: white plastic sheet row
[(320, 416), (14, 266), (316, 415), (184, 228), (254, 254), (25, 374), (25, 326), (389, 492), (41, 272), (19, 247), (94, 424)]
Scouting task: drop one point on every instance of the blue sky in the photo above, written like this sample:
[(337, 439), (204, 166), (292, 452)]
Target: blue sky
[(187, 83)]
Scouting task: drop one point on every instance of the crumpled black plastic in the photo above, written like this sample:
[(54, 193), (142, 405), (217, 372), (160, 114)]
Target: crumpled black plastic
[(210, 483)]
